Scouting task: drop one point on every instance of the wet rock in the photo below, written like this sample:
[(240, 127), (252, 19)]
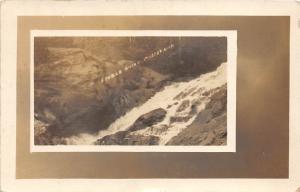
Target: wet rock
[(210, 125), (124, 138), (158, 129), (184, 94), (141, 140), (70, 97), (199, 91), (114, 139), (218, 101), (39, 127), (68, 75), (193, 109), (127, 138), (149, 119), (206, 93), (180, 119), (185, 104), (209, 139)]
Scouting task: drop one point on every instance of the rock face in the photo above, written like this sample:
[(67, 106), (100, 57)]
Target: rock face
[(43, 135), (210, 125), (69, 98), (148, 119), (185, 104), (126, 138), (207, 126)]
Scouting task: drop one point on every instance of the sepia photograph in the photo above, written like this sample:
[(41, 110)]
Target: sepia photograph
[(130, 90), (150, 96)]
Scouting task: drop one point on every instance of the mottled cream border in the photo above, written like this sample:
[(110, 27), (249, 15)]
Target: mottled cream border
[(11, 9)]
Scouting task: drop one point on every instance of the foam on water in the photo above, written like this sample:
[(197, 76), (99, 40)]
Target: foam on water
[(167, 100)]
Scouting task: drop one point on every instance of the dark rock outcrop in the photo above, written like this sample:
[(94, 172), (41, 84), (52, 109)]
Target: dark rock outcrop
[(185, 104), (126, 138), (210, 125), (180, 118), (71, 100), (149, 119), (123, 138), (68, 72)]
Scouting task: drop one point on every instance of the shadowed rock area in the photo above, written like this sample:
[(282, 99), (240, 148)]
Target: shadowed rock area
[(209, 127), (70, 99), (148, 119), (125, 138)]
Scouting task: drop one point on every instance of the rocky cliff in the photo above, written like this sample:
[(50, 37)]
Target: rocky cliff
[(210, 125), (208, 128), (189, 113), (70, 98)]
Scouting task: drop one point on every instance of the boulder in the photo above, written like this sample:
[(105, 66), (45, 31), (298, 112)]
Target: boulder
[(149, 119), (185, 104), (210, 125), (175, 119), (124, 138)]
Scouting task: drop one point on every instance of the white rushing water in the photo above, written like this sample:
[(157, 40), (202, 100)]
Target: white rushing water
[(170, 98)]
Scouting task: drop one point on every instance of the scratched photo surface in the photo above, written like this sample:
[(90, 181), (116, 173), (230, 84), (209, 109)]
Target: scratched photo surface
[(130, 90)]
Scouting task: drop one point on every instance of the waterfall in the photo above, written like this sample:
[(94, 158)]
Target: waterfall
[(195, 92)]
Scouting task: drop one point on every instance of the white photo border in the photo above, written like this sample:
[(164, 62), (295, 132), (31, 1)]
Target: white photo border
[(10, 10), (231, 36)]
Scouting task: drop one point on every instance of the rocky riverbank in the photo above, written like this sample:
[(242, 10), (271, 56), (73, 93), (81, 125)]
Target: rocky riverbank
[(195, 115), (70, 99)]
